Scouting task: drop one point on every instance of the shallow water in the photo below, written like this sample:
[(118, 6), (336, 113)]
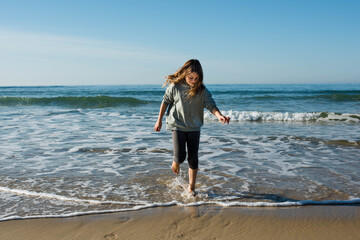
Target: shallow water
[(73, 150)]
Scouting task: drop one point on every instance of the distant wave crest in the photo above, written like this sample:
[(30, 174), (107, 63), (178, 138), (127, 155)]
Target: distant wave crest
[(75, 102), (336, 97)]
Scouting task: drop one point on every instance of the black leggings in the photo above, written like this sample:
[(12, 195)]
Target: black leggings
[(192, 140)]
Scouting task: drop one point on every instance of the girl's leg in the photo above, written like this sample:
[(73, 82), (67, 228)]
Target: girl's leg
[(192, 180), (193, 140), (179, 150)]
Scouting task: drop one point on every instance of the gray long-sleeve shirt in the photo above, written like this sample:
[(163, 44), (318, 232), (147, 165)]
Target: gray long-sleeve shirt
[(186, 115)]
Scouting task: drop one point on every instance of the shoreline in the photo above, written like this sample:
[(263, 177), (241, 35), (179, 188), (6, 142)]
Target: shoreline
[(201, 222)]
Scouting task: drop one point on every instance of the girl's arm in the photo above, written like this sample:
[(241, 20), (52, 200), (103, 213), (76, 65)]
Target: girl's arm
[(221, 117), (158, 124)]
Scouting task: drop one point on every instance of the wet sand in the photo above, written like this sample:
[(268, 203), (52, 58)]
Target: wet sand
[(205, 222)]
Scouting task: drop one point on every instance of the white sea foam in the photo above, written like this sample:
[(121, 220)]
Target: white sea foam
[(199, 203), (286, 116), (343, 117), (61, 198), (266, 116), (74, 149)]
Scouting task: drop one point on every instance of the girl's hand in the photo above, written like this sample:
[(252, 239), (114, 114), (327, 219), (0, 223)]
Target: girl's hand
[(157, 126), (221, 117), (224, 119)]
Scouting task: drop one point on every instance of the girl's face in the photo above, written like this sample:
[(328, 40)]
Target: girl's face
[(192, 78)]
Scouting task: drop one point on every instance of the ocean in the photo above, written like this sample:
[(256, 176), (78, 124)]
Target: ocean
[(73, 150)]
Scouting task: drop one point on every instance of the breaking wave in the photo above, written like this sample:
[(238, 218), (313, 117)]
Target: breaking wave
[(256, 116)]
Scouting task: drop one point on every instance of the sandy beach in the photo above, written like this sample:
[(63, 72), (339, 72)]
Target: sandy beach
[(206, 222)]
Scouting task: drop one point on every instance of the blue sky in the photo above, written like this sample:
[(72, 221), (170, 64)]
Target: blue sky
[(139, 42)]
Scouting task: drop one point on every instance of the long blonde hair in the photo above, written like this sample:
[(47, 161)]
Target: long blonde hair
[(191, 66)]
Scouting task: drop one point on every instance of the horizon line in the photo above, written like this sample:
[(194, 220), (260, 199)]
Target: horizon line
[(154, 84)]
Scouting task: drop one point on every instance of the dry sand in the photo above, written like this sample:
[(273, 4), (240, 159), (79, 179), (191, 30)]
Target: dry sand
[(206, 222)]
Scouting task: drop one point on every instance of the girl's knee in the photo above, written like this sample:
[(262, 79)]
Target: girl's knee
[(179, 159), (193, 163), (194, 167)]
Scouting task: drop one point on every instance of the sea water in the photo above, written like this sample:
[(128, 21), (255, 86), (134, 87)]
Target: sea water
[(75, 150)]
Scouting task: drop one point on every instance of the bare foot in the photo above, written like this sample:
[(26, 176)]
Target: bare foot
[(175, 167), (192, 192)]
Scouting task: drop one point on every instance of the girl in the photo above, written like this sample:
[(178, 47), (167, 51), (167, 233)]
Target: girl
[(187, 97)]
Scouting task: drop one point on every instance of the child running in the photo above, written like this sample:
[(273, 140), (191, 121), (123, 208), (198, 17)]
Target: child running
[(186, 96)]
